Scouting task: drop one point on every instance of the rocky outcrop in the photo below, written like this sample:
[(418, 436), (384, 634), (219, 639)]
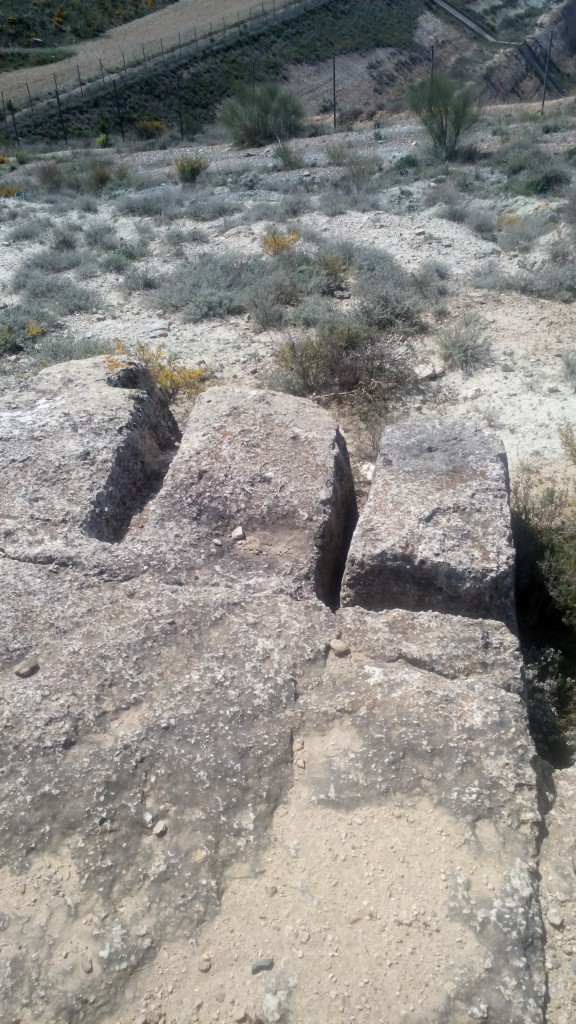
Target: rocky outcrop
[(435, 532), (221, 799)]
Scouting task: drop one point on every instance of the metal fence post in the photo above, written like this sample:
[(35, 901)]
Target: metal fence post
[(179, 105), (546, 73), (29, 97), (334, 87), (60, 112)]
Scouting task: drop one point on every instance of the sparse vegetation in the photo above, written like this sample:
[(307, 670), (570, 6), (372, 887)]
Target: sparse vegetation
[(189, 168), (464, 346), (170, 375)]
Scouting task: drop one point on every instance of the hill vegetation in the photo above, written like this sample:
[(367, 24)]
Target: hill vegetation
[(331, 26), (22, 22)]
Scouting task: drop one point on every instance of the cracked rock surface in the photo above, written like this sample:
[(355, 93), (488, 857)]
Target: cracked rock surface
[(208, 768)]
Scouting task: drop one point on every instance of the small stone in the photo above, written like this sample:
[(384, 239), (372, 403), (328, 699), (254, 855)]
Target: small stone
[(28, 667), (271, 890), (265, 963), (304, 935), (555, 918), (157, 325), (507, 368), (205, 965), (220, 995), (240, 1016), (339, 647), (238, 534), (160, 829), (217, 543), (86, 964)]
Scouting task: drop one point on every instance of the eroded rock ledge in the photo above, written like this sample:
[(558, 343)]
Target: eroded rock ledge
[(204, 764)]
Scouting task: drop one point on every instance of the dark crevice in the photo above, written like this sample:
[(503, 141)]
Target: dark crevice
[(548, 646), (150, 441), (337, 531)]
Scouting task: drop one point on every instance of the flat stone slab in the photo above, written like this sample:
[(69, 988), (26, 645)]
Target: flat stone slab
[(78, 446), (435, 532)]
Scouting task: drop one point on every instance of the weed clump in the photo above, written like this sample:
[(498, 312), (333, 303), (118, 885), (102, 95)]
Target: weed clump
[(273, 243), (346, 357), (464, 347), (150, 128), (189, 168), (171, 377)]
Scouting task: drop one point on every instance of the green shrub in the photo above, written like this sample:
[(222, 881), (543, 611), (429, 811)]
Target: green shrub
[(189, 168), (65, 348), (256, 117), (447, 111), (406, 163), (541, 183), (60, 295), (346, 357), (464, 346), (288, 157), (20, 326)]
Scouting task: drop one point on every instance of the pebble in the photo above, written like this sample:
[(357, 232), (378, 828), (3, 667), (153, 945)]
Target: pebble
[(217, 543), (160, 829), (27, 668), (205, 965), (240, 1016), (339, 647), (271, 890), (238, 534), (86, 964), (555, 917), (265, 963)]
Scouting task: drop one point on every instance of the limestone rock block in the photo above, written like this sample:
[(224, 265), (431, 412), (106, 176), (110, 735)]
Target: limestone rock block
[(78, 447), (273, 464), (435, 532)]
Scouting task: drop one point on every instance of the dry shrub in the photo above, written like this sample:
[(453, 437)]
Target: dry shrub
[(167, 372)]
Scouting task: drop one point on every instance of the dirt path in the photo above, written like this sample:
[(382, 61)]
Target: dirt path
[(183, 17)]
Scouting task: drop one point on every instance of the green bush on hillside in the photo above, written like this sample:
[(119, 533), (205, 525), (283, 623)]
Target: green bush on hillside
[(255, 117), (447, 110)]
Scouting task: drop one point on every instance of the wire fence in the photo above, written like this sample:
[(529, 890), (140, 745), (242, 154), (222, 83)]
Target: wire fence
[(70, 75), (337, 78)]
